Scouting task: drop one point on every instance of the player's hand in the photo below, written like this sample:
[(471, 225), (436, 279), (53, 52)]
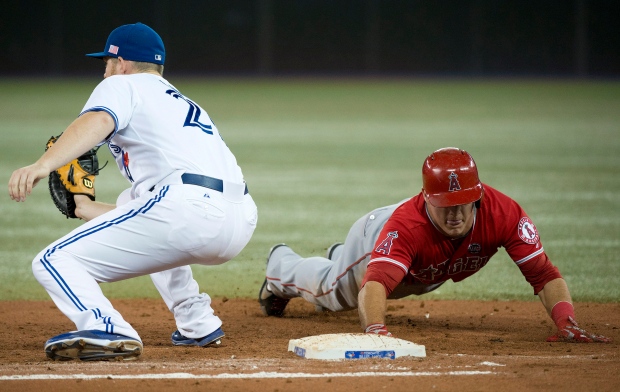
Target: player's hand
[(379, 329), (23, 180), (572, 333)]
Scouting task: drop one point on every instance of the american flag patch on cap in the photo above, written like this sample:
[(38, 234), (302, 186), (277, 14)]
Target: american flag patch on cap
[(113, 49)]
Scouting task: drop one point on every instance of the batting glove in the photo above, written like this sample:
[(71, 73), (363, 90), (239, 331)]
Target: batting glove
[(379, 329), (563, 315), (572, 333)]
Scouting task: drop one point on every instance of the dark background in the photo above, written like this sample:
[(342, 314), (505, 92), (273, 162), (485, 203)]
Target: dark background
[(567, 38)]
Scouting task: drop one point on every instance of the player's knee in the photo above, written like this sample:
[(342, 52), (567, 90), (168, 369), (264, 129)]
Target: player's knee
[(39, 268)]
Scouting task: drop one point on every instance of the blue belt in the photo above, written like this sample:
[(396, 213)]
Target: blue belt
[(204, 181)]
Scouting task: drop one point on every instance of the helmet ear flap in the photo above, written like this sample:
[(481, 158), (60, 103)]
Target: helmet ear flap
[(424, 194)]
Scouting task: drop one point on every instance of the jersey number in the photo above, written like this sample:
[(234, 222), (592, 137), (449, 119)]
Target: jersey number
[(193, 113)]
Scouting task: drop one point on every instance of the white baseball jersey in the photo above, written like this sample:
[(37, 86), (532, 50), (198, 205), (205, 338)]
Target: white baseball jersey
[(158, 131), (164, 222)]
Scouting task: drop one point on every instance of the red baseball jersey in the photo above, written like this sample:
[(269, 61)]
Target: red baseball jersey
[(411, 250)]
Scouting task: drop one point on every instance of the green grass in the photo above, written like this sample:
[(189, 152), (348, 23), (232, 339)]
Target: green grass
[(319, 153)]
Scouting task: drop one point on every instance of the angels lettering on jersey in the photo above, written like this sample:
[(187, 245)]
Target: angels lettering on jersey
[(446, 269)]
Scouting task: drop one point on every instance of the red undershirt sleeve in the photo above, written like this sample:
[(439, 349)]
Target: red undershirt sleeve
[(539, 271), (387, 274)]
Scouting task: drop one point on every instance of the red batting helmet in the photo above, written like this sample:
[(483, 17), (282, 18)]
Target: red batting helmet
[(450, 178)]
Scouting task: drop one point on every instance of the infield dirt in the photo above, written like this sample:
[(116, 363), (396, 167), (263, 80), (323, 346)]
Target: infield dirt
[(471, 346)]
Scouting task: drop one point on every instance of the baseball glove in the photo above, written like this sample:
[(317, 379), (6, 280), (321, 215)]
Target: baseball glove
[(75, 178)]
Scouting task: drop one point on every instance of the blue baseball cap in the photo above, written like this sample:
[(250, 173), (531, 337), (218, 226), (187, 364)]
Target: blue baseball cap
[(135, 42)]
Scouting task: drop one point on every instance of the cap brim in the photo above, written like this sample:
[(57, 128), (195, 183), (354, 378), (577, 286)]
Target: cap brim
[(465, 196), (100, 55)]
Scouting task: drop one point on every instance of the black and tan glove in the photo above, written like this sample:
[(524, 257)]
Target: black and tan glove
[(75, 178)]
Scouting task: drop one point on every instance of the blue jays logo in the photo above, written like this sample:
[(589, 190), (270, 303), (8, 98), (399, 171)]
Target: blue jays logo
[(386, 245), (454, 182), (116, 150)]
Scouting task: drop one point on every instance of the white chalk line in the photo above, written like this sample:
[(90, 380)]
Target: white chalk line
[(530, 357), (259, 375)]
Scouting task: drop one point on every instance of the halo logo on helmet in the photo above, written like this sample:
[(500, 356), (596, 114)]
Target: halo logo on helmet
[(450, 178), (454, 182)]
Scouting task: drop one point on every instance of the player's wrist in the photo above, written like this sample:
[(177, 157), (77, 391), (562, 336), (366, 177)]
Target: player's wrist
[(562, 314)]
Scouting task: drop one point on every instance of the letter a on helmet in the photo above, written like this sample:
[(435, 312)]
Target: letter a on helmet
[(450, 178), (454, 182)]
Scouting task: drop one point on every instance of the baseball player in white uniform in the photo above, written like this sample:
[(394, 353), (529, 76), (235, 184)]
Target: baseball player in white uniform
[(188, 204)]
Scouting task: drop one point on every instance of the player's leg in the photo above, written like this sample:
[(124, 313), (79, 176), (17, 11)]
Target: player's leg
[(102, 333), (330, 284), (195, 319), (64, 272), (192, 310), (234, 219), (289, 275)]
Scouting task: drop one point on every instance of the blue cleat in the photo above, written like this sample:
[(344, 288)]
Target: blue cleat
[(214, 338), (92, 345)]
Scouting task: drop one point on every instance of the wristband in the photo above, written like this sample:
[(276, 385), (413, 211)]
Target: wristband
[(562, 313), (379, 329)]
